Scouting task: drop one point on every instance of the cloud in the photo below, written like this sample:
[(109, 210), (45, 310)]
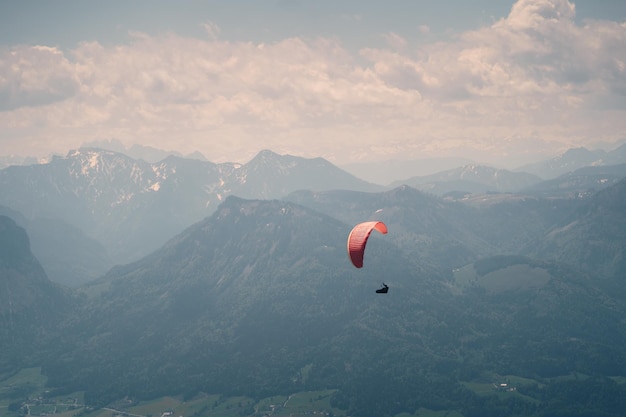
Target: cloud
[(534, 14), (212, 30), (35, 76), (536, 51), (534, 76), (533, 70), (395, 41)]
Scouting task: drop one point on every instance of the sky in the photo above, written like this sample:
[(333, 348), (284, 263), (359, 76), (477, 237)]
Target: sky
[(496, 81)]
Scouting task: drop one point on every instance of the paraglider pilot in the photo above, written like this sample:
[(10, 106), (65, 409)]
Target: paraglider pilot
[(383, 290)]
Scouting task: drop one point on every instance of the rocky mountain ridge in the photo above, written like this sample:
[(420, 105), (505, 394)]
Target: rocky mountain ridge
[(132, 207), (472, 178)]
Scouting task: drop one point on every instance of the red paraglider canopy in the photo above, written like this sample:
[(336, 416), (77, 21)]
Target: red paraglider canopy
[(357, 239)]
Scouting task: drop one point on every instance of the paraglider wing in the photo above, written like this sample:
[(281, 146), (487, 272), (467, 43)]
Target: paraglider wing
[(357, 239)]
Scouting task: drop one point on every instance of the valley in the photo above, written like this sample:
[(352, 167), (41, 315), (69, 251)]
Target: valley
[(510, 391)]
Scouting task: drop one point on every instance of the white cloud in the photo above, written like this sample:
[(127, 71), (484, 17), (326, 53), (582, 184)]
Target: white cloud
[(534, 76), (34, 76), (534, 14)]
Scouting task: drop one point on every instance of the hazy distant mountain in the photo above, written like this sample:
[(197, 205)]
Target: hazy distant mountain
[(442, 233), (432, 231), (132, 207), (67, 255), (93, 190), (394, 170), (22, 276), (475, 179), (581, 182), (30, 304), (269, 175), (574, 159), (593, 238), (145, 153)]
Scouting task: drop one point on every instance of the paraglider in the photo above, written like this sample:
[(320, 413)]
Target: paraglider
[(357, 239)]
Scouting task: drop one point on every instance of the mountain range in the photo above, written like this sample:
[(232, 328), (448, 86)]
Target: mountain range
[(115, 209), (471, 179), (391, 172), (573, 159), (256, 296), (259, 299), (132, 207)]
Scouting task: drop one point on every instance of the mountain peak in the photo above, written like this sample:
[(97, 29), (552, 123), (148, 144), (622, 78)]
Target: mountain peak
[(477, 170), (571, 160), (265, 156), (90, 152), (472, 178), (575, 151), (267, 153)]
